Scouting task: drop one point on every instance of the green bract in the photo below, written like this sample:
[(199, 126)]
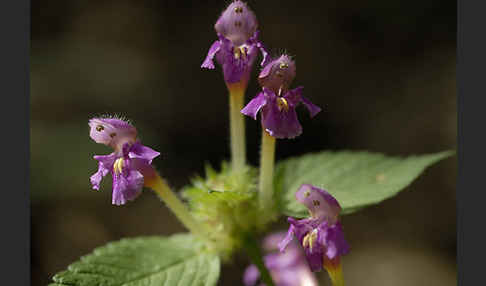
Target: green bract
[(227, 203)]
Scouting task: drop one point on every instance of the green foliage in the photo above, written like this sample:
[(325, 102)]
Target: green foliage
[(355, 179), (148, 261), (226, 202)]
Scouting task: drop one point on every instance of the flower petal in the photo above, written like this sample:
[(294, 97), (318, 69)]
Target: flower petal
[(126, 186), (252, 108), (298, 276), (237, 22), (278, 74), (232, 68), (208, 62), (264, 52), (106, 160), (105, 165), (313, 109), (319, 202), (111, 131), (335, 242), (265, 71), (288, 238), (235, 60), (137, 150), (271, 241), (279, 123), (314, 257), (294, 96), (251, 275), (287, 268), (279, 260), (261, 47), (96, 178)]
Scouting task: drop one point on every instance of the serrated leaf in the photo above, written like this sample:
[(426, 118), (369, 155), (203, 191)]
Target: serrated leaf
[(148, 261), (355, 179)]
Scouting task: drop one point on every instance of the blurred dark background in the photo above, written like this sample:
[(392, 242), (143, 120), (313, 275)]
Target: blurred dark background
[(384, 71)]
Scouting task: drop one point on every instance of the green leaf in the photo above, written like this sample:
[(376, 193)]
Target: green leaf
[(355, 179), (148, 261)]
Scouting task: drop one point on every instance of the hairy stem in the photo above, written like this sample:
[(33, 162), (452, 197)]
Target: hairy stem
[(237, 129), (181, 211), (253, 250), (267, 161)]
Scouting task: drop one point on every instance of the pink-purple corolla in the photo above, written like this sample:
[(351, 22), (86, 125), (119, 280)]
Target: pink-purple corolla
[(287, 268), (129, 164), (321, 234), (237, 46), (277, 102)]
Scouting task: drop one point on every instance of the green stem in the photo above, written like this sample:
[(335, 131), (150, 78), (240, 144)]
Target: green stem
[(253, 250), (237, 129), (181, 211), (267, 160), (335, 270)]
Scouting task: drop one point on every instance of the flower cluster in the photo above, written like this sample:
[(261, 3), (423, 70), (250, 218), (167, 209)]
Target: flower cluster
[(321, 234), (287, 268), (226, 201), (236, 50), (129, 164)]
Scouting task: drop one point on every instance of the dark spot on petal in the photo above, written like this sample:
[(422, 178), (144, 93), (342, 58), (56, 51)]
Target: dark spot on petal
[(100, 128), (112, 134), (279, 74), (316, 203), (237, 24)]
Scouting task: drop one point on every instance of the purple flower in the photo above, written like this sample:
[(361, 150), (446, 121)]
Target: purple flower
[(277, 102), (278, 74), (237, 46), (321, 234), (287, 269), (130, 162)]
